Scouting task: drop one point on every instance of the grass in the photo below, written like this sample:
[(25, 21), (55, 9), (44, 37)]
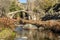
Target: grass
[(7, 34)]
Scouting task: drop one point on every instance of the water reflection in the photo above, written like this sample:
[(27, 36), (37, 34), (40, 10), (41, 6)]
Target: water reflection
[(36, 35)]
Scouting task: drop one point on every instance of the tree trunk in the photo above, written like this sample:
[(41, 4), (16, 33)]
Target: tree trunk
[(52, 24)]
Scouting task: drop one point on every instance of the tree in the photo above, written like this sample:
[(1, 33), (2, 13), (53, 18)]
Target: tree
[(4, 7), (44, 4), (14, 7), (7, 6)]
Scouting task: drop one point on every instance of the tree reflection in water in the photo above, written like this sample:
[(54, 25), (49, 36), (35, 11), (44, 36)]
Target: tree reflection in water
[(38, 35)]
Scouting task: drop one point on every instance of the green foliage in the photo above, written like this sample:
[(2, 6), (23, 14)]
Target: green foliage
[(35, 10), (16, 15), (14, 7), (6, 33), (48, 3), (44, 4)]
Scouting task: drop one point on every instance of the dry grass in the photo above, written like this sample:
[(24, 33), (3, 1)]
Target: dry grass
[(6, 22)]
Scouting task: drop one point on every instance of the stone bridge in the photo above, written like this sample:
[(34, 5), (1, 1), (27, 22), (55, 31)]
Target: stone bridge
[(11, 14), (28, 14)]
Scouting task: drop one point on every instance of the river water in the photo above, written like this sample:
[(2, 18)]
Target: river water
[(36, 35)]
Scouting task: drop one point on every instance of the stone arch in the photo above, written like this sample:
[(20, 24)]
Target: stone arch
[(22, 12)]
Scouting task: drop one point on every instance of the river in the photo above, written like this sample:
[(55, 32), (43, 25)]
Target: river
[(36, 35)]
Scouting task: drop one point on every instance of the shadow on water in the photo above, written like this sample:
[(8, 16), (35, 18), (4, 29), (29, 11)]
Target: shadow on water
[(36, 35), (41, 34)]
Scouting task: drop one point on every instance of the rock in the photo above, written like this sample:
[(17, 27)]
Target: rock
[(41, 28), (22, 38), (19, 28), (30, 26)]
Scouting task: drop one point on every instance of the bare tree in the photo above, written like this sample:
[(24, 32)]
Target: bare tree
[(4, 7)]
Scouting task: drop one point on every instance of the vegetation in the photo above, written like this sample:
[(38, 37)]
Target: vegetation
[(45, 3), (14, 7), (7, 33), (42, 9)]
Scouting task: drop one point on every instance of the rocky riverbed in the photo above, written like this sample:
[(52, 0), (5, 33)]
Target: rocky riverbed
[(28, 34), (39, 34)]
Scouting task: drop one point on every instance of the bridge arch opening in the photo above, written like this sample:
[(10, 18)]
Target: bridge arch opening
[(21, 14)]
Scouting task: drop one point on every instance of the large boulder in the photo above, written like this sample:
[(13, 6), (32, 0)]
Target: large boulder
[(29, 26)]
